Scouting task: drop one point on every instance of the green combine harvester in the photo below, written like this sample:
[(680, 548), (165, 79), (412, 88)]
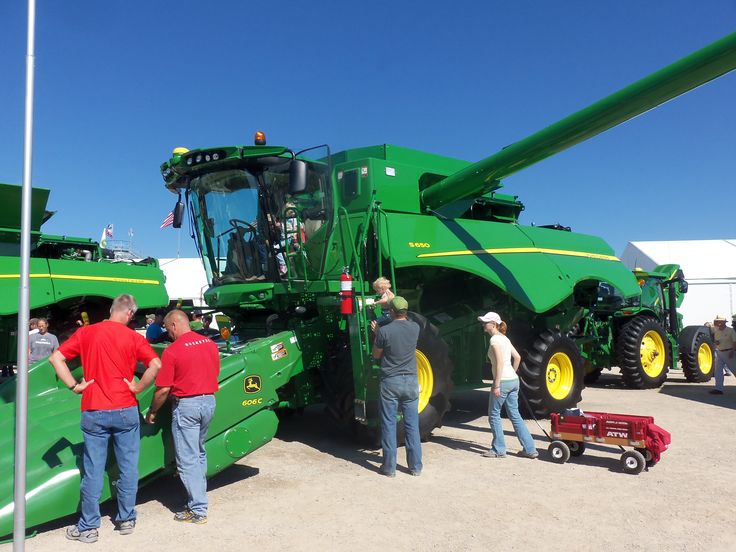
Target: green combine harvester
[(291, 241)]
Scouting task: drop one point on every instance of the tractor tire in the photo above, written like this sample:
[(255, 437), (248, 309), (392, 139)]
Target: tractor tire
[(559, 452), (643, 352), (697, 355), (551, 374), (434, 372), (633, 462)]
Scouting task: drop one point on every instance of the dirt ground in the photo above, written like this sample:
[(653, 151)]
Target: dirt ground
[(312, 489)]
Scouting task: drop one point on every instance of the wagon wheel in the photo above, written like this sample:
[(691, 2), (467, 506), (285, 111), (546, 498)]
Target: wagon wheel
[(648, 456), (577, 448), (559, 451), (632, 461)]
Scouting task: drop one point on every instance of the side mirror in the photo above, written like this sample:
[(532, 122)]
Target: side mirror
[(297, 176), (683, 286), (178, 214)]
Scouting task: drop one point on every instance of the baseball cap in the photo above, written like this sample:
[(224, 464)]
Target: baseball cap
[(719, 318), (490, 317), (398, 303)]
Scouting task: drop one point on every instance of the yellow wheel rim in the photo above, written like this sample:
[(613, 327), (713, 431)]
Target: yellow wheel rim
[(652, 354), (560, 376), (705, 358), (426, 380)]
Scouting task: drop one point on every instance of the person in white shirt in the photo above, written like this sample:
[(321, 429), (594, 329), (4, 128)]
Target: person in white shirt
[(505, 389)]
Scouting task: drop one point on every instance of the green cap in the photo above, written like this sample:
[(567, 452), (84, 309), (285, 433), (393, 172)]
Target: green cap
[(398, 303)]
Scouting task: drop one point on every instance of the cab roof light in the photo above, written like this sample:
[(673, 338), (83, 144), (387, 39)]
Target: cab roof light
[(260, 138)]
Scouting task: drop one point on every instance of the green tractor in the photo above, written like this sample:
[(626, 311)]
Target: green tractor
[(643, 335)]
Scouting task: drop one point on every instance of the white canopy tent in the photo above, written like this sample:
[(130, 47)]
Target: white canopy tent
[(185, 279), (709, 267)]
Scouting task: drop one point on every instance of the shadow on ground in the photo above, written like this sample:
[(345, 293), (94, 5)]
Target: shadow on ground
[(700, 393)]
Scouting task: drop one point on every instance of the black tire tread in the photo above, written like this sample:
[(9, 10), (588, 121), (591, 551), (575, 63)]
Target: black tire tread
[(628, 352)]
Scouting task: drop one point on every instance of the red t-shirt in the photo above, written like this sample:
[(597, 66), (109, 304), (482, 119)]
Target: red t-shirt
[(190, 366), (109, 352)]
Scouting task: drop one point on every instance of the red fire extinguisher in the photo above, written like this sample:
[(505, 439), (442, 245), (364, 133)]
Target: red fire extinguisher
[(346, 292)]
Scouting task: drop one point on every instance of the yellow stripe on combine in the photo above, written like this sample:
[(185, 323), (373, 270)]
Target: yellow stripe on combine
[(87, 278), (521, 250)]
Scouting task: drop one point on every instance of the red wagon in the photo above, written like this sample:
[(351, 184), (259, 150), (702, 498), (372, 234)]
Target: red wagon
[(572, 432)]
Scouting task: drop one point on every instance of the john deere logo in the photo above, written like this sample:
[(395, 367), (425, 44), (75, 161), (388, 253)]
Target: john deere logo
[(252, 384)]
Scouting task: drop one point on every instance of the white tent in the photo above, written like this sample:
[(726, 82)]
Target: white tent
[(185, 279), (709, 267)]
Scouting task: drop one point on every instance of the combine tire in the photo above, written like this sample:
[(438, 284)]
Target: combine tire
[(434, 372), (643, 353), (697, 354), (551, 374)]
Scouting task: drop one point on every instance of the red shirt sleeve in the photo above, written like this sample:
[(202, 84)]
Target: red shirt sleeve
[(72, 347), (144, 352), (165, 377)]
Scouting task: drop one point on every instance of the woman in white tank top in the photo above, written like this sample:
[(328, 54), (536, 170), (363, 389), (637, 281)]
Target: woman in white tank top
[(505, 361)]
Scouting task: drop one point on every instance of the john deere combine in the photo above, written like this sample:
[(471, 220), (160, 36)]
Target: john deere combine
[(291, 240), (281, 231)]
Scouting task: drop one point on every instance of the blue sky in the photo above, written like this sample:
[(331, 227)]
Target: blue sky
[(119, 84)]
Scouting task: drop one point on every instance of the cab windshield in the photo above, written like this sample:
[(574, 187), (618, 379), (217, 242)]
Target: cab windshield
[(249, 228)]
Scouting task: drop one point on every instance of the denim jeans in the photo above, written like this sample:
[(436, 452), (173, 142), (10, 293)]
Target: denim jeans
[(722, 362), (98, 426), (510, 398), (191, 416), (400, 392)]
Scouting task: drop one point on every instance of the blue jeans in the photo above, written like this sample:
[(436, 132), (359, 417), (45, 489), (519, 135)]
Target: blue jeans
[(400, 392), (98, 426), (191, 416), (510, 398), (723, 362)]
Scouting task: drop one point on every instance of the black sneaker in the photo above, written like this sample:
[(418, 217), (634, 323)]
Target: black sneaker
[(715, 392), (88, 536)]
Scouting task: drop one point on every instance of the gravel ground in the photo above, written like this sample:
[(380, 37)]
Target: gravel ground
[(311, 488)]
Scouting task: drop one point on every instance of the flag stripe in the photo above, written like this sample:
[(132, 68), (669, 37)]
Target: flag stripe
[(168, 221)]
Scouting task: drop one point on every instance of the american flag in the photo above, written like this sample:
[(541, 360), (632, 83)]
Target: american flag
[(168, 221)]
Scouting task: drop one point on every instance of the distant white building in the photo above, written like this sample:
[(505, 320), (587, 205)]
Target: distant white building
[(185, 279), (709, 267)]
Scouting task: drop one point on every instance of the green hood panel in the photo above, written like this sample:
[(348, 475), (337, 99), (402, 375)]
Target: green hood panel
[(54, 280), (538, 267)]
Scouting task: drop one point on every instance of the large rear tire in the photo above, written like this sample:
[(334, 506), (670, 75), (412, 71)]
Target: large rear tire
[(643, 352), (551, 374), (697, 354), (434, 373)]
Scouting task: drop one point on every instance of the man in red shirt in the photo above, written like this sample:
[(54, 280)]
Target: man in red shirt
[(189, 372), (109, 352)]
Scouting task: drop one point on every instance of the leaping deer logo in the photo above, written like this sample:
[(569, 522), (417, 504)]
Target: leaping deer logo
[(252, 384)]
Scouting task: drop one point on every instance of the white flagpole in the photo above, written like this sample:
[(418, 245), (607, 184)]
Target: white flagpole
[(21, 393)]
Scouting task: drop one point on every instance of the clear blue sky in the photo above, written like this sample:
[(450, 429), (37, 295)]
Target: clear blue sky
[(121, 83)]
